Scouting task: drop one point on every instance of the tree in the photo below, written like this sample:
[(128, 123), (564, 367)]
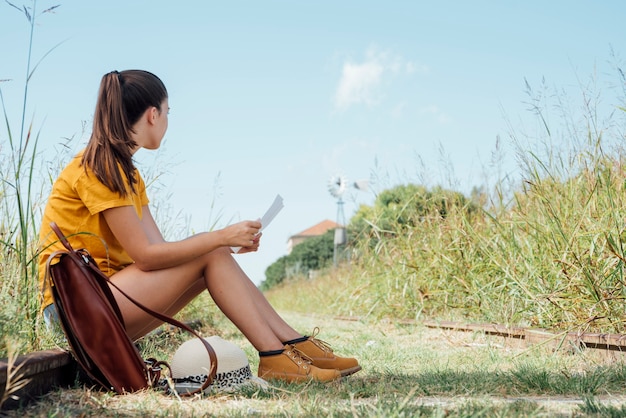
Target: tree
[(402, 207), (313, 254)]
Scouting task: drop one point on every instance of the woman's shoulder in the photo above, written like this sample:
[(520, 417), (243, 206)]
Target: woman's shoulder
[(73, 169), (79, 177)]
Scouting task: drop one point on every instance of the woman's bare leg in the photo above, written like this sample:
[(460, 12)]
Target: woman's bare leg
[(236, 295), (281, 328), (169, 290)]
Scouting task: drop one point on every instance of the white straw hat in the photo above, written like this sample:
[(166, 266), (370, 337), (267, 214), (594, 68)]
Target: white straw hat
[(191, 363)]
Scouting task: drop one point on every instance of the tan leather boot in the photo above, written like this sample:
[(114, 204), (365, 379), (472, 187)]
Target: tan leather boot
[(292, 366), (322, 356)]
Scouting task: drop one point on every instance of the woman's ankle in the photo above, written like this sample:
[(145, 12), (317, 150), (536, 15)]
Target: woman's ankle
[(296, 340), (271, 353)]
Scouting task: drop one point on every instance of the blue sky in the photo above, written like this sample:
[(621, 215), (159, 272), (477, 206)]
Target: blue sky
[(275, 97)]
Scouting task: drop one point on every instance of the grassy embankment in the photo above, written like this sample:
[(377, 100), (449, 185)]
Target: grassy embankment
[(547, 251)]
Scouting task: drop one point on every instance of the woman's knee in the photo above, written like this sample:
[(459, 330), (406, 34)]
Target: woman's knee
[(221, 266), (222, 252)]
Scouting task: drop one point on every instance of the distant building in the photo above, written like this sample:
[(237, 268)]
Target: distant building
[(314, 231)]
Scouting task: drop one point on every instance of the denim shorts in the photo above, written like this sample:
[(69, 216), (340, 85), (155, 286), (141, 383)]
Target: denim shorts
[(51, 317)]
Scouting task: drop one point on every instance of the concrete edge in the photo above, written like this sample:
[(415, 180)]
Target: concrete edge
[(42, 371)]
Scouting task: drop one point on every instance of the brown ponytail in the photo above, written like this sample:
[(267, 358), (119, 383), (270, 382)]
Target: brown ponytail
[(122, 99)]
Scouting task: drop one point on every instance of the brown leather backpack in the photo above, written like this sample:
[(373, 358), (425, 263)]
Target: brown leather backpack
[(94, 326)]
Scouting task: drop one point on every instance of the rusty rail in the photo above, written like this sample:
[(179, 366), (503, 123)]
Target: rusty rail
[(611, 342)]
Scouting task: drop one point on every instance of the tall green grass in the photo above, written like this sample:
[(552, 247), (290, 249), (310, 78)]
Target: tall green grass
[(546, 251), (19, 317)]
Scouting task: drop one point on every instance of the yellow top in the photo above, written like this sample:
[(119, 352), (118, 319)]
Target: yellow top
[(76, 204)]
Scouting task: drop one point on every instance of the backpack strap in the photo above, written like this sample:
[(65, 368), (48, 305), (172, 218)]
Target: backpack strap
[(62, 237)]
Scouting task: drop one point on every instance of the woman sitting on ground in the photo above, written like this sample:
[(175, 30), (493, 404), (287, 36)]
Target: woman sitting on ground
[(102, 193)]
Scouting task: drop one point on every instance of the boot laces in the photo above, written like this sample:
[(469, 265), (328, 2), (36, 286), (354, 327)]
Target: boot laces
[(323, 345), (298, 356)]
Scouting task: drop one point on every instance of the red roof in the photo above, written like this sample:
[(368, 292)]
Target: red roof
[(318, 229)]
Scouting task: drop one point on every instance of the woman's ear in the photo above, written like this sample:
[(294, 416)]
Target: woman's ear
[(152, 114)]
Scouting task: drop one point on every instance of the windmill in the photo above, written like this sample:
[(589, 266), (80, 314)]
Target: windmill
[(337, 186)]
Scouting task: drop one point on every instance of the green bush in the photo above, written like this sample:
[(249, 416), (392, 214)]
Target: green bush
[(313, 254), (404, 208)]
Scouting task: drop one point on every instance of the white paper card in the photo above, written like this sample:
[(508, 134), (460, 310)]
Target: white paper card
[(269, 215)]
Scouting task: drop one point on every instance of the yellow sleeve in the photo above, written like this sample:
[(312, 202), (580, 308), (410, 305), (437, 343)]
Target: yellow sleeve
[(97, 197)]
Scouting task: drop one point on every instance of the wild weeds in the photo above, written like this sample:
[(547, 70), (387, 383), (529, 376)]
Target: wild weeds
[(549, 252), (19, 228), (15, 380)]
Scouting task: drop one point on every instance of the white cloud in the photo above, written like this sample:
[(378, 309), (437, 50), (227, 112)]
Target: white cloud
[(360, 83)]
